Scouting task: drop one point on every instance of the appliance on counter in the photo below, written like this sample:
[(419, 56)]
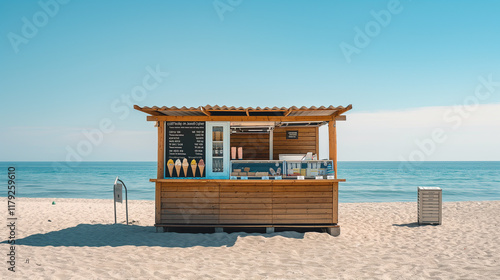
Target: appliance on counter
[(294, 157)]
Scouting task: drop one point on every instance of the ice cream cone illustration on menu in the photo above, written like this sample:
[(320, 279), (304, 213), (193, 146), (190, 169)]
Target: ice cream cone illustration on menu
[(193, 167), (170, 165), (185, 166), (201, 166), (178, 167)]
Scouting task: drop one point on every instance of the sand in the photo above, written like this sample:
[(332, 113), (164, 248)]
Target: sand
[(76, 238)]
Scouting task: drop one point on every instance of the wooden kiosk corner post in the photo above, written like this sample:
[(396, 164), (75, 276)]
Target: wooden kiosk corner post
[(222, 166)]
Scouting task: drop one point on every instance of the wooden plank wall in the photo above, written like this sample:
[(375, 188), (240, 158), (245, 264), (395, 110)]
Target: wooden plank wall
[(301, 204), (255, 145), (246, 204), (307, 141), (249, 202), (190, 203)]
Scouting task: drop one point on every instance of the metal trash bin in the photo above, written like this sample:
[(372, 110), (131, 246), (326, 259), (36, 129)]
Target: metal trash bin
[(430, 205)]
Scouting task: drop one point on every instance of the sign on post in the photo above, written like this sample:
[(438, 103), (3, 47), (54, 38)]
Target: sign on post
[(118, 192)]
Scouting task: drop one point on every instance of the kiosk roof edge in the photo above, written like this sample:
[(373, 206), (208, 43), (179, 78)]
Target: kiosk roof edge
[(329, 112)]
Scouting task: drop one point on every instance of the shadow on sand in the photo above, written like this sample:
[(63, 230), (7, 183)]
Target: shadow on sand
[(98, 235), (412, 225)]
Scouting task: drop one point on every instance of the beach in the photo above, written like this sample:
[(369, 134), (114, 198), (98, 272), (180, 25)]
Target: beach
[(77, 238)]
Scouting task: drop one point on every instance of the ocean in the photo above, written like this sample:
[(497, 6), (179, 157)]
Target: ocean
[(366, 181)]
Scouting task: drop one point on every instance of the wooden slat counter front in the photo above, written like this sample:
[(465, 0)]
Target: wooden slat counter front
[(255, 203)]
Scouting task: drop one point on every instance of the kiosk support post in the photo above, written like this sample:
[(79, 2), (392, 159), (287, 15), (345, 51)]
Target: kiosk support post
[(332, 138), (118, 197)]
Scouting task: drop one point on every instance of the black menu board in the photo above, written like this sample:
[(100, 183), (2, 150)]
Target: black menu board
[(185, 149)]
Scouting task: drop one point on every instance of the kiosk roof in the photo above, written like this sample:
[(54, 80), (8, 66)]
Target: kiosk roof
[(216, 110)]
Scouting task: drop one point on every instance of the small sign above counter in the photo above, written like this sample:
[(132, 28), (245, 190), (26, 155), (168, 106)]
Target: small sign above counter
[(292, 134)]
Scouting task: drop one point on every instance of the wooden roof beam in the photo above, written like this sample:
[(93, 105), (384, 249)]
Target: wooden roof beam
[(241, 118), (341, 111), (205, 111), (150, 111)]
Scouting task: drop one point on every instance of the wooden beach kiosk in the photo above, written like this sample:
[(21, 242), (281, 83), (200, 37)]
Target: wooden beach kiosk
[(222, 166)]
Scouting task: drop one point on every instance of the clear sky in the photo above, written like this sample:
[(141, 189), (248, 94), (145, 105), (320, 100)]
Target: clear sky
[(67, 67)]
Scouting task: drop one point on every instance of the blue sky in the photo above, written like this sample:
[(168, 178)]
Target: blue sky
[(86, 56)]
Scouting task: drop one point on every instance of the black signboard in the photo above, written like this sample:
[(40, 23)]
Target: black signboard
[(185, 149), (292, 134)]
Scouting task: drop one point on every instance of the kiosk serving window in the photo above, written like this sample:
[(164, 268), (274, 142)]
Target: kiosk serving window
[(204, 150)]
